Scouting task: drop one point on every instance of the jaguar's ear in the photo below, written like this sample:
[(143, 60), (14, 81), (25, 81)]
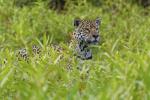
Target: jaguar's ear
[(77, 22), (98, 21)]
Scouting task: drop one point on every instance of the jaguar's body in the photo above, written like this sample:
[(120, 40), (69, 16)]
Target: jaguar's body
[(86, 33)]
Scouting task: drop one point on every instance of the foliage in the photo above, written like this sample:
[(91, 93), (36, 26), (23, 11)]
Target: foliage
[(120, 68)]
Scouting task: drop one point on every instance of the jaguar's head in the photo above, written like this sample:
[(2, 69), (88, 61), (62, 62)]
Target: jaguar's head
[(87, 30)]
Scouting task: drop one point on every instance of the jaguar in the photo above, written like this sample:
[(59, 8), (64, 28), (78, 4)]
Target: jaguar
[(86, 32)]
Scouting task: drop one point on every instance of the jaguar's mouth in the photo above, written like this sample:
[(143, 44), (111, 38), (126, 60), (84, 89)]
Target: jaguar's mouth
[(93, 42)]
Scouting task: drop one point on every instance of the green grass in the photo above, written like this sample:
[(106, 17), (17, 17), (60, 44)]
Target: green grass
[(119, 70)]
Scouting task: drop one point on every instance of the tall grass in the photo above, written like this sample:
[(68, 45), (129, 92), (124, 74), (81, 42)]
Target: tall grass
[(120, 68)]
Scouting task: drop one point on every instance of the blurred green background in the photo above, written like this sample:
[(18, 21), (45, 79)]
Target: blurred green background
[(120, 69)]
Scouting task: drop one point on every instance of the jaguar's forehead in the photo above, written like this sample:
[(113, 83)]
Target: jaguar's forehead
[(87, 23)]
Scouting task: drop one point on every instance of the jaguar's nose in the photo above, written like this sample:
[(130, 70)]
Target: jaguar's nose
[(95, 36)]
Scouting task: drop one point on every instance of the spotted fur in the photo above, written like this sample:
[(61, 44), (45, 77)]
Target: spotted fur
[(86, 33), (22, 54), (36, 50)]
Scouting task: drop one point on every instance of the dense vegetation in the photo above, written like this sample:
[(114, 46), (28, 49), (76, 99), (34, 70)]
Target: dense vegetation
[(120, 68)]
